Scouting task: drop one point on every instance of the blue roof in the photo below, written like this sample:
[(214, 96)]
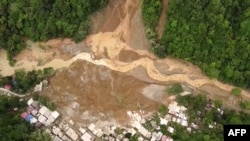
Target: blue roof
[(28, 117)]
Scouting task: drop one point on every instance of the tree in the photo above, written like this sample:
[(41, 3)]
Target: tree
[(220, 46), (175, 89), (40, 135)]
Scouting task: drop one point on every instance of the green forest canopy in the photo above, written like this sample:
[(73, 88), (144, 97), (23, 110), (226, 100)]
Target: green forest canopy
[(42, 20), (213, 34)]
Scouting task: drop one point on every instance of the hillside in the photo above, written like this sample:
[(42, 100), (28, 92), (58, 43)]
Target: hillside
[(211, 34), (43, 20)]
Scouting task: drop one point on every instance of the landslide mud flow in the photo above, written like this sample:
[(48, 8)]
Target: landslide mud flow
[(99, 91)]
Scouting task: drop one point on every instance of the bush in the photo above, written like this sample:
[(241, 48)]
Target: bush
[(245, 105), (163, 110), (236, 91), (175, 89)]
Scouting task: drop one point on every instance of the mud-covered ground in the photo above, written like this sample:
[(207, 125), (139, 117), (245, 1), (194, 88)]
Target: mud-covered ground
[(88, 87)]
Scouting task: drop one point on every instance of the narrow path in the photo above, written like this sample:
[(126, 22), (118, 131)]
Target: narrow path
[(8, 93)]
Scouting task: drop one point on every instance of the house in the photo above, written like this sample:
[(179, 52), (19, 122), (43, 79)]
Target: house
[(55, 114), (86, 137), (43, 110), (30, 101), (170, 129), (156, 136), (189, 129), (29, 109), (72, 134), (82, 130), (35, 104), (166, 138), (24, 114), (38, 124), (140, 139), (47, 113), (184, 123), (33, 120), (42, 119), (174, 109), (71, 122), (34, 112), (65, 138), (56, 138), (28, 117), (38, 87), (99, 133), (91, 127), (56, 130), (153, 124), (132, 131), (144, 132), (163, 121), (7, 86)]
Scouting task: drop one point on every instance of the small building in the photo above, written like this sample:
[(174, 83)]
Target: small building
[(35, 105), (43, 110), (184, 123), (38, 87), (153, 124), (30, 101), (82, 130), (91, 127), (157, 136), (55, 114), (38, 124), (140, 139), (170, 129), (56, 130), (7, 86), (28, 117), (72, 134), (99, 133), (166, 138), (34, 112), (33, 120), (47, 113), (71, 122), (42, 119), (174, 109), (24, 114), (144, 132), (65, 138), (86, 137), (163, 121)]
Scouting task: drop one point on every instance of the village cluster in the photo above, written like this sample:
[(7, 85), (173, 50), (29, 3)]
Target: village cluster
[(40, 115), (65, 130)]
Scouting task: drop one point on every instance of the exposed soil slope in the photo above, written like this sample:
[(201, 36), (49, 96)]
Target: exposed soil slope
[(99, 90)]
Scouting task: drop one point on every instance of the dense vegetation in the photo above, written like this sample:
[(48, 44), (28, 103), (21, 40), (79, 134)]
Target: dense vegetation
[(12, 127), (213, 34), (205, 112), (175, 89), (22, 81), (43, 20)]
